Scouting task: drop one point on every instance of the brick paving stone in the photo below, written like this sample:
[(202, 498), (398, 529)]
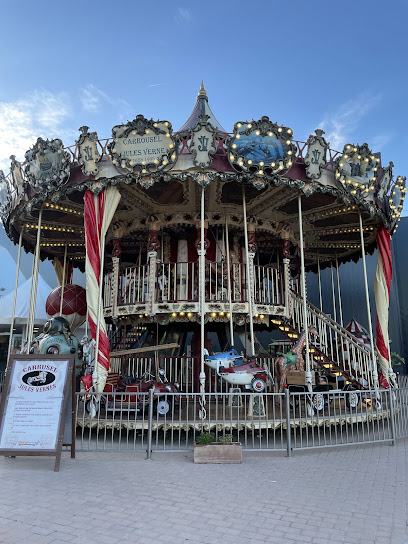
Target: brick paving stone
[(171, 500)]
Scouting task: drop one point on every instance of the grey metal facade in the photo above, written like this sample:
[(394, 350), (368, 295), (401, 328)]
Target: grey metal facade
[(353, 296)]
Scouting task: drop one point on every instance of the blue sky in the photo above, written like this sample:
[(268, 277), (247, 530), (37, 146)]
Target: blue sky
[(337, 66)]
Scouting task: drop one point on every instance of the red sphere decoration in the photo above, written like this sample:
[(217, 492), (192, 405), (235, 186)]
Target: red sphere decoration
[(73, 306)]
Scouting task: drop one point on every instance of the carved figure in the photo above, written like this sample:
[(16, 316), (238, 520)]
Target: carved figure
[(17, 176), (293, 360)]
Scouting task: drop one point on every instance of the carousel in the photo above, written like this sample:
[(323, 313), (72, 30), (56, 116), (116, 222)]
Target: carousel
[(197, 241)]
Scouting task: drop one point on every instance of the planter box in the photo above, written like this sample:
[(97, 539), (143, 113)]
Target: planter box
[(218, 453)]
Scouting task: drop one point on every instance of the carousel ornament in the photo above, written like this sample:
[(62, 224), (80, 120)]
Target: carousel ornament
[(202, 145), (17, 176), (143, 147), (73, 304), (315, 158), (396, 201), (47, 164), (262, 148), (5, 197), (88, 154), (357, 169), (153, 242), (117, 247), (385, 182), (147, 182), (292, 360), (203, 179)]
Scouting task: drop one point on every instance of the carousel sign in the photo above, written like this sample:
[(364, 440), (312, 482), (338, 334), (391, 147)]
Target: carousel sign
[(47, 164), (397, 197), (315, 159), (261, 147), (88, 154), (357, 168), (143, 146)]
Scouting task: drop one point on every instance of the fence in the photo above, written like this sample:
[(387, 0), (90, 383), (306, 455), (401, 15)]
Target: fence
[(141, 422), (261, 422)]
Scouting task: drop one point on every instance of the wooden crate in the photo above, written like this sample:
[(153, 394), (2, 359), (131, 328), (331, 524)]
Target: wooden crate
[(298, 377)]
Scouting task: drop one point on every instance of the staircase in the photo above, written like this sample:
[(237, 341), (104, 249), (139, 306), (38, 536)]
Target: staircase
[(335, 349), (127, 338)]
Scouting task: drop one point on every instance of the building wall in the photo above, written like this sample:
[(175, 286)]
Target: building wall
[(353, 293)]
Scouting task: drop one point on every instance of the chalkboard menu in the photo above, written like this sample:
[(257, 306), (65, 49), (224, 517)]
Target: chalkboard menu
[(33, 409)]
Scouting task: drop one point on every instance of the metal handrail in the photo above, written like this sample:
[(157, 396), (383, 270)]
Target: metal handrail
[(333, 325)]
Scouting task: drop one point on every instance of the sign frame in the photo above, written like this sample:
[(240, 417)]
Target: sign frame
[(64, 413)]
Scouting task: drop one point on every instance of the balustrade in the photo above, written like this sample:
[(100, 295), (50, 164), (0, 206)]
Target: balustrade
[(177, 282), (338, 344)]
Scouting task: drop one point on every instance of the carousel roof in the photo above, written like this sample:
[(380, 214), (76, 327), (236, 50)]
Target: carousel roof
[(161, 173), (202, 107)]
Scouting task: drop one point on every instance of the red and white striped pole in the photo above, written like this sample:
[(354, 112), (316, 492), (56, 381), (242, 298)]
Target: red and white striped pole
[(382, 286)]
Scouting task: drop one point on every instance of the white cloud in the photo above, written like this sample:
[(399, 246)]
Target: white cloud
[(340, 125), (40, 113), (183, 15), (49, 115), (93, 99)]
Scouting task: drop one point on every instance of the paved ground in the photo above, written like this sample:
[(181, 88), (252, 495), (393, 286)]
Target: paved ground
[(355, 494)]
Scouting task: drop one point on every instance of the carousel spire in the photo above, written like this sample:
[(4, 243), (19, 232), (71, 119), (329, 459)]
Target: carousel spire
[(201, 108), (202, 91)]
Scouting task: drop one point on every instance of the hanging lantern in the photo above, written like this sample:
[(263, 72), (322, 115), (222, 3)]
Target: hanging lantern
[(73, 306)]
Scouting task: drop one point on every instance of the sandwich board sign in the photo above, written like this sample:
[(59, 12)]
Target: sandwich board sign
[(33, 408)]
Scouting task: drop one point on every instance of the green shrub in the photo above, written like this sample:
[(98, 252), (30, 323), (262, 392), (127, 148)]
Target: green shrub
[(225, 440), (205, 439)]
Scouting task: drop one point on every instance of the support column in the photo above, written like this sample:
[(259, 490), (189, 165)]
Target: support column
[(116, 253), (249, 273), (286, 272), (13, 313), (64, 279), (202, 245), (229, 272), (34, 285), (303, 293), (153, 246), (320, 283), (339, 292), (252, 249), (370, 327)]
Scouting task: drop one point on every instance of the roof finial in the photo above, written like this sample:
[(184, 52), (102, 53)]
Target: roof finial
[(202, 91)]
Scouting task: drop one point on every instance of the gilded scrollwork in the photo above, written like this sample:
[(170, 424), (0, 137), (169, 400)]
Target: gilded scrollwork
[(315, 159), (202, 145), (143, 146), (47, 164), (261, 147), (88, 154), (356, 170)]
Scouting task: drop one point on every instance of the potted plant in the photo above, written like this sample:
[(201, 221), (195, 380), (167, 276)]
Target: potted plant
[(223, 451)]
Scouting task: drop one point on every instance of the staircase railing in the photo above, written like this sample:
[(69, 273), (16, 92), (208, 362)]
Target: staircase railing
[(335, 346)]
